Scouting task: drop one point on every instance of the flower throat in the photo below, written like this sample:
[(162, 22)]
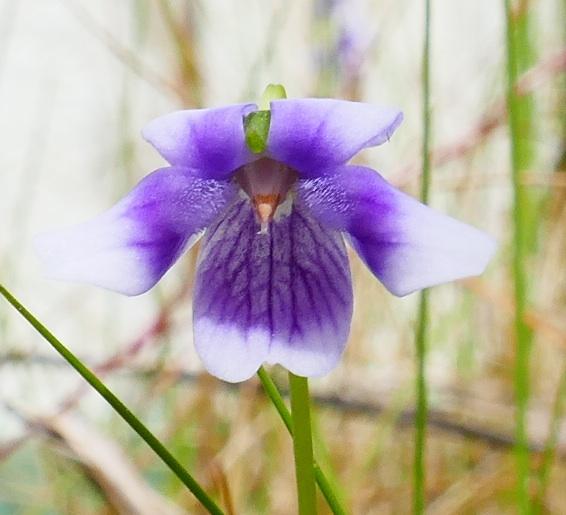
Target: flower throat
[(267, 183)]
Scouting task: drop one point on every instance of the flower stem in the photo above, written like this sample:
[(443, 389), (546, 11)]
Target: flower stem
[(520, 142), (273, 393), (421, 414), (302, 443), (419, 470), (118, 406), (277, 400)]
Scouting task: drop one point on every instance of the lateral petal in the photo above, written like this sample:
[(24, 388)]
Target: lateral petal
[(129, 247), (406, 244)]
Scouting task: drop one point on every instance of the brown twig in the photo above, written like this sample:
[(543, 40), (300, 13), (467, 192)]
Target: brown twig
[(491, 120), (123, 54), (183, 38), (535, 319), (442, 419), (158, 327)]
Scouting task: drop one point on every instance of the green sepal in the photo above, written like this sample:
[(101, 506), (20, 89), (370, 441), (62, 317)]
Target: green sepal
[(272, 92), (256, 124), (256, 127)]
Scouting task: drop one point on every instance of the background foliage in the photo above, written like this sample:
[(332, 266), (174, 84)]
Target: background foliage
[(79, 79)]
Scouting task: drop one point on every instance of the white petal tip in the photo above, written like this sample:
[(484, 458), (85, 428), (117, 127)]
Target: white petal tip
[(227, 352), (90, 254), (469, 259)]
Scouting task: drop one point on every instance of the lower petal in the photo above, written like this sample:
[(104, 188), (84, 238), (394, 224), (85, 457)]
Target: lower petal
[(130, 247), (406, 244), (284, 296)]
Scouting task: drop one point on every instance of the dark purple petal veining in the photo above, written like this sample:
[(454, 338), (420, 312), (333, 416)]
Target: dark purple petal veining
[(283, 296)]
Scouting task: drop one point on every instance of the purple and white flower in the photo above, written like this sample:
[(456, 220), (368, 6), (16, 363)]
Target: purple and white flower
[(273, 282)]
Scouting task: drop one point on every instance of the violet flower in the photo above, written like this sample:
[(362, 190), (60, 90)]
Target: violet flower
[(273, 281)]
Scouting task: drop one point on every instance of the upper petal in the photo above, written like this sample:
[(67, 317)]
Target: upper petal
[(284, 296), (209, 140), (313, 134), (129, 247), (406, 244)]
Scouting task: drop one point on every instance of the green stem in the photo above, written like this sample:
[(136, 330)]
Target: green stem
[(277, 400), (273, 393), (519, 136), (118, 405), (421, 415), (302, 443)]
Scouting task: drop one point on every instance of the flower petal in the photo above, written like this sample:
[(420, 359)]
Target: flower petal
[(209, 140), (284, 296), (316, 133), (131, 246), (407, 245)]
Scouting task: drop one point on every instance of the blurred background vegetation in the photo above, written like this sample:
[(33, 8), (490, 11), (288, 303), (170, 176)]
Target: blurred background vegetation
[(78, 79)]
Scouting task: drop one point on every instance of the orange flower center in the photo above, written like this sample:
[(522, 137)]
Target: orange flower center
[(267, 183)]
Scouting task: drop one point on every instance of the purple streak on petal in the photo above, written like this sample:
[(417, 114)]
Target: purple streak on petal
[(355, 35), (209, 140), (282, 297), (129, 248), (311, 135), (407, 245)]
